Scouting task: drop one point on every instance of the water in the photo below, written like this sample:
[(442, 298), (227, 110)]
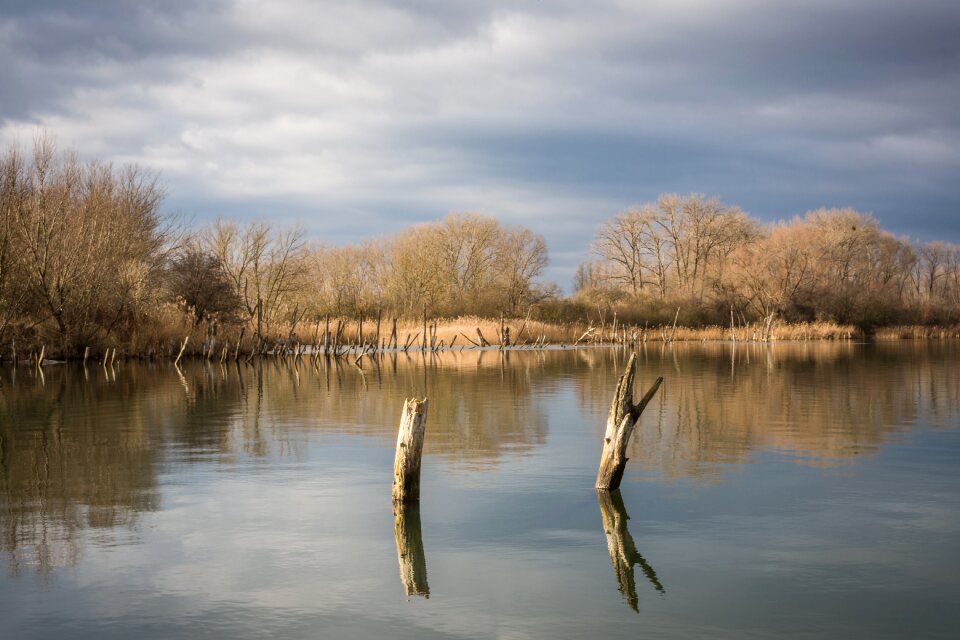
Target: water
[(807, 490)]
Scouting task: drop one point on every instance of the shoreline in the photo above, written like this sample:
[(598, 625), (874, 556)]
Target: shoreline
[(454, 335)]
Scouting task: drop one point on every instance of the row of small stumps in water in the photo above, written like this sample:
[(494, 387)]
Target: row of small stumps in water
[(334, 341)]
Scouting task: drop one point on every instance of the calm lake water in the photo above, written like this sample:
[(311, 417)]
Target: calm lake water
[(788, 490)]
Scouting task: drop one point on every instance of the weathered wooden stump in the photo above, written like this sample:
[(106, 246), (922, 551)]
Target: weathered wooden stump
[(622, 549), (179, 355), (406, 464), (410, 555), (621, 420)]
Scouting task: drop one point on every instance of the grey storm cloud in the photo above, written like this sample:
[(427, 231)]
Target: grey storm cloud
[(360, 116)]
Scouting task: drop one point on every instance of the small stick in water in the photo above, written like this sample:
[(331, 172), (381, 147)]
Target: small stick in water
[(182, 347)]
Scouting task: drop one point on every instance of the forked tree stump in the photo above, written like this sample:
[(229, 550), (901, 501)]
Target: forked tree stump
[(621, 420), (406, 464)]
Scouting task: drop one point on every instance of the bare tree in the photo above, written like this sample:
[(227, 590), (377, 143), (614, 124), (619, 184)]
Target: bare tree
[(522, 257), (196, 279), (416, 271), (264, 266), (89, 242), (621, 242)]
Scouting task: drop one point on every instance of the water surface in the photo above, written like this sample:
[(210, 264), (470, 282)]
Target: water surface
[(799, 490)]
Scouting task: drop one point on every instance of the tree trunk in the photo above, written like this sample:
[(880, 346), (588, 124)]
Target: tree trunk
[(621, 420), (406, 465)]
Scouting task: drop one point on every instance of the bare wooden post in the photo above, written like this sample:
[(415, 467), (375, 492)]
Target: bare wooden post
[(326, 334), (410, 555), (236, 353), (621, 420), (602, 321), (483, 341), (768, 327), (410, 341), (586, 334), (259, 319), (522, 327), (673, 331), (406, 465), (179, 355), (337, 337)]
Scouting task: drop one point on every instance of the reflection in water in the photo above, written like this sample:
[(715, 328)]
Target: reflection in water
[(82, 454), (413, 561), (65, 469), (623, 551)]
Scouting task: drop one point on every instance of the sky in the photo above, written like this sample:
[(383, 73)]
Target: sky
[(356, 119)]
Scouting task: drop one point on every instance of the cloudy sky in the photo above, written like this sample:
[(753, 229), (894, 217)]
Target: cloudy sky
[(359, 118)]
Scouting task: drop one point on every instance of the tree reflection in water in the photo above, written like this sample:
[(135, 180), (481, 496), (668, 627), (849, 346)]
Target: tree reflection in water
[(81, 453), (622, 549)]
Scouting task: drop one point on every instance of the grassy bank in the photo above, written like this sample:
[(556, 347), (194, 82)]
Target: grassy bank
[(916, 332)]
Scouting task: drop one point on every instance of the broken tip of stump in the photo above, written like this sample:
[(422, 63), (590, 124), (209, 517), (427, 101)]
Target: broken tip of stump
[(621, 421)]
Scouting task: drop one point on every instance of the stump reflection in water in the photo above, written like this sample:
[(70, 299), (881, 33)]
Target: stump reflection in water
[(413, 561), (623, 551)]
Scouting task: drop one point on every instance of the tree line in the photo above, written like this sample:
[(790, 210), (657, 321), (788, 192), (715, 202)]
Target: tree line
[(712, 260), (88, 257)]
